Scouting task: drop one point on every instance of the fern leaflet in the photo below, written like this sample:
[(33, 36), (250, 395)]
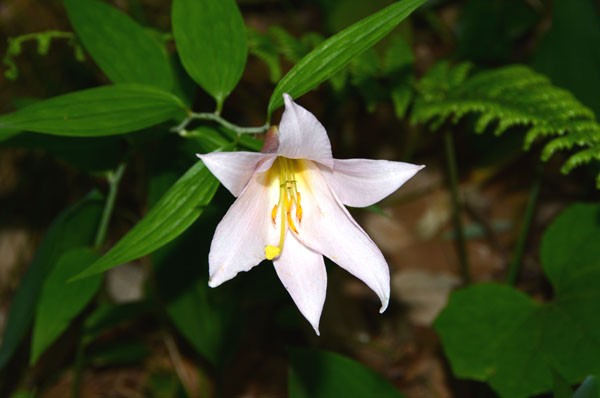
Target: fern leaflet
[(508, 97)]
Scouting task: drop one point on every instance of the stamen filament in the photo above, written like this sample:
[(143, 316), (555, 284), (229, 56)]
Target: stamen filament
[(288, 198)]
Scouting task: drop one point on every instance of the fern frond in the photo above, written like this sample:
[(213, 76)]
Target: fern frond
[(509, 97)]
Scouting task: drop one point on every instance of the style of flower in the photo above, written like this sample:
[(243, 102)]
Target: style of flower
[(290, 209)]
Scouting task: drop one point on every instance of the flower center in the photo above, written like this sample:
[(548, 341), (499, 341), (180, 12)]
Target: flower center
[(288, 207)]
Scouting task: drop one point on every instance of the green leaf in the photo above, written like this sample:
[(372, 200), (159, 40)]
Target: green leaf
[(73, 228), (211, 41), (316, 374), (337, 51), (561, 388), (590, 388), (172, 215), (497, 334), (123, 49), (61, 301), (99, 111)]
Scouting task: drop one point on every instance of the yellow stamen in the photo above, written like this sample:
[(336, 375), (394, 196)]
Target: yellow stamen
[(289, 197), (298, 207)]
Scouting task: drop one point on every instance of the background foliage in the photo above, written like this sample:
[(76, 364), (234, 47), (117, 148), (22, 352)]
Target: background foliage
[(104, 105)]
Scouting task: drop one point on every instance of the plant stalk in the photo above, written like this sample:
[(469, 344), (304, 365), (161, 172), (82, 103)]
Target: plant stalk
[(113, 179), (215, 117), (534, 193), (459, 232)]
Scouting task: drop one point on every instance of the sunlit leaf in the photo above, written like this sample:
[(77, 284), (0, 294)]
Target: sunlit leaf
[(123, 49), (497, 334), (173, 214), (99, 111), (61, 301), (322, 374), (73, 228), (337, 51), (211, 41)]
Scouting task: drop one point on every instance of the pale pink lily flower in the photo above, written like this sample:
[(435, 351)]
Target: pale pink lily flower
[(290, 209)]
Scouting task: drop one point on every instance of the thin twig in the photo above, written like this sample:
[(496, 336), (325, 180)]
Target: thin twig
[(218, 119), (113, 179)]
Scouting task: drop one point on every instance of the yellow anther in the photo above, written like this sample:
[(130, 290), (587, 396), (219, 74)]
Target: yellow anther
[(274, 213), (271, 252), (291, 222), (298, 207)]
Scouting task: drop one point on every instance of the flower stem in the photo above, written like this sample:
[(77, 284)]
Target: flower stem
[(215, 117), (78, 371), (113, 179), (534, 193), (461, 246)]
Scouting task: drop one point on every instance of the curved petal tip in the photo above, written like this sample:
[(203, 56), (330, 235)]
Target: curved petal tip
[(384, 305)]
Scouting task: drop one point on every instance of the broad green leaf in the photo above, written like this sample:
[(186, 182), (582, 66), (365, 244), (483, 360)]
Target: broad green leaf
[(211, 41), (337, 51), (321, 374), (497, 334), (172, 215), (123, 49), (561, 388), (73, 228), (61, 301), (99, 111)]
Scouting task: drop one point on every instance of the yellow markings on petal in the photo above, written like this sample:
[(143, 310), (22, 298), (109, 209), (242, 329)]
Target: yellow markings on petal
[(290, 209)]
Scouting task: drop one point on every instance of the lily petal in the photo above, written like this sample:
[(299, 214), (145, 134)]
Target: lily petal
[(233, 169), (328, 228), (239, 241), (302, 272), (302, 136), (363, 182)]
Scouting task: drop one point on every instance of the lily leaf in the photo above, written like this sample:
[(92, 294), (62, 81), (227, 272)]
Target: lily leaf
[(122, 48), (211, 41), (337, 51), (497, 334), (173, 213), (321, 374), (61, 301), (99, 111), (73, 228)]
